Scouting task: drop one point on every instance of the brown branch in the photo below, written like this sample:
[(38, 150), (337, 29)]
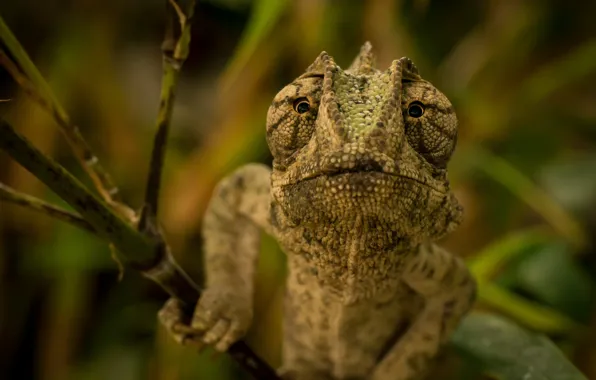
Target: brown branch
[(145, 248), (34, 85), (9, 194), (137, 249), (174, 53), (22, 80), (150, 256)]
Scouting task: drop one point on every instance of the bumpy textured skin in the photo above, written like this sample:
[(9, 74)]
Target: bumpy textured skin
[(357, 193)]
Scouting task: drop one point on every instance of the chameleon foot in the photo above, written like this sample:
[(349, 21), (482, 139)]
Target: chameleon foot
[(172, 317), (221, 318)]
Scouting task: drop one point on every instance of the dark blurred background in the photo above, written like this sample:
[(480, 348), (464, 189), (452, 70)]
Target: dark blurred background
[(521, 75)]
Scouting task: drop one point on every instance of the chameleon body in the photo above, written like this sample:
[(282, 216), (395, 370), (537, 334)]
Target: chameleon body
[(356, 196)]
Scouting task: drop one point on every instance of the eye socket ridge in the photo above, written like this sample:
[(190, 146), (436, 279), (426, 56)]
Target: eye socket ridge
[(301, 105), (416, 109)]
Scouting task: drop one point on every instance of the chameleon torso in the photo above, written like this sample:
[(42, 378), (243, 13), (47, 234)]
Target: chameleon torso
[(339, 317), (356, 196)]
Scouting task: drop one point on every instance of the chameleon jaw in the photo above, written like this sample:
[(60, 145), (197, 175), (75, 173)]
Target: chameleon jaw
[(358, 165)]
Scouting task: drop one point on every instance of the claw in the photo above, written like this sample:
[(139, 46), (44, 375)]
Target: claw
[(217, 331), (219, 320), (171, 316), (234, 333), (203, 319), (181, 328)]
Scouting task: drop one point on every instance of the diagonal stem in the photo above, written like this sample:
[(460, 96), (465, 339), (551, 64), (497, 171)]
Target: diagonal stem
[(9, 194), (36, 86), (140, 251), (145, 253), (143, 248)]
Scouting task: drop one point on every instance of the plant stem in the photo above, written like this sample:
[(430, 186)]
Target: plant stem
[(11, 195), (139, 250), (41, 92), (174, 53), (144, 249), (148, 254)]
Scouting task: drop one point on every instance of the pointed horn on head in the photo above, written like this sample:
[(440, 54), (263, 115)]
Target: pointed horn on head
[(319, 66), (409, 70), (365, 60)]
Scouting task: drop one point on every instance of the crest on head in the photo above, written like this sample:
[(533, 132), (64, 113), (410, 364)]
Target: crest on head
[(364, 63)]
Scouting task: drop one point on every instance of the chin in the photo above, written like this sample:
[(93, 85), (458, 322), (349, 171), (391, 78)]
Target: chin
[(394, 203)]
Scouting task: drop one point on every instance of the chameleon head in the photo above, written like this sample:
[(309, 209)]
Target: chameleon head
[(362, 143)]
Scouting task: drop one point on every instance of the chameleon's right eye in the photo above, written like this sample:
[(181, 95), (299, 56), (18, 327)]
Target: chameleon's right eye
[(291, 119), (301, 105)]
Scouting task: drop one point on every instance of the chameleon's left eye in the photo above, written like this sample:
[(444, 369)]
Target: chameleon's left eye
[(431, 125), (301, 105), (416, 109)]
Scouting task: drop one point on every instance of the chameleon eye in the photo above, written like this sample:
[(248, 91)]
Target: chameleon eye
[(416, 109), (301, 105)]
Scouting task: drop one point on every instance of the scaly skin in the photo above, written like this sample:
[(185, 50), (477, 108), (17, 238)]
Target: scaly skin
[(357, 193)]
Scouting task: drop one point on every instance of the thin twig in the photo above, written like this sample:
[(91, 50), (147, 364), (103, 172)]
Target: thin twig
[(139, 250), (38, 88), (146, 250), (22, 80), (174, 53), (11, 195), (144, 253)]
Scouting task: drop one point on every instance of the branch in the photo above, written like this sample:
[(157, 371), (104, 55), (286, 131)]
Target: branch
[(144, 249), (140, 251), (35, 86), (149, 255), (11, 195), (22, 80), (136, 250), (174, 53)]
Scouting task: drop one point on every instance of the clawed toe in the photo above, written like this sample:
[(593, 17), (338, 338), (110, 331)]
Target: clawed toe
[(217, 331)]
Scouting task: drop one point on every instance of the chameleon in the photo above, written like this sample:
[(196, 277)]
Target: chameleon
[(356, 197)]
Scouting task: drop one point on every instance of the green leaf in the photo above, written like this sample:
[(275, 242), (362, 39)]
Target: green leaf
[(29, 69), (577, 64), (527, 312), (534, 196), (493, 257), (551, 276), (506, 255), (264, 15), (509, 352), (572, 183)]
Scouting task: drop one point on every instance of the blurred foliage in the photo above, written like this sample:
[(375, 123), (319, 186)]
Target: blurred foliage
[(521, 75)]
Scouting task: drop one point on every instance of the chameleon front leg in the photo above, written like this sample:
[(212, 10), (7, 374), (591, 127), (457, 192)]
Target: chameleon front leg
[(449, 289), (237, 212)]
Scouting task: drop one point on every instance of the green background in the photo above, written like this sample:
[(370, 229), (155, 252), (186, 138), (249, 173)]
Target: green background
[(521, 75)]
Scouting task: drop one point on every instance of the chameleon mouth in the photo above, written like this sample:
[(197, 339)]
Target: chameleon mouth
[(339, 163), (359, 174), (362, 166), (370, 167), (365, 166)]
